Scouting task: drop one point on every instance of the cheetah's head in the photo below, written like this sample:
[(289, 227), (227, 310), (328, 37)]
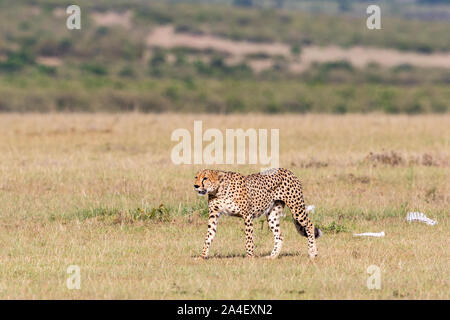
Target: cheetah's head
[(206, 181)]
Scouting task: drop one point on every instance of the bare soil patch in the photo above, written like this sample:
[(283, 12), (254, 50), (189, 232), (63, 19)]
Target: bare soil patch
[(166, 37), (49, 61), (111, 18)]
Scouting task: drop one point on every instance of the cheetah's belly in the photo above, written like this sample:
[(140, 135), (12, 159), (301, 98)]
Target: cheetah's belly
[(264, 211)]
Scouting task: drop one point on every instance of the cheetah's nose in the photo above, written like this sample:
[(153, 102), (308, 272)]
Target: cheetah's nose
[(196, 186)]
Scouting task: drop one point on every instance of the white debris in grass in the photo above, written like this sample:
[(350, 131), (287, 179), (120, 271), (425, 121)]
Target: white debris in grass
[(370, 234), (310, 208), (420, 216)]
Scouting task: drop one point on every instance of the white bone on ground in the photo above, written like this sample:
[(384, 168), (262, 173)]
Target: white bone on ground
[(420, 216), (370, 234)]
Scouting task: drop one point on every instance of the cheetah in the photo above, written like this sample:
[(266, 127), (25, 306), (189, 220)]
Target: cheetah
[(249, 197)]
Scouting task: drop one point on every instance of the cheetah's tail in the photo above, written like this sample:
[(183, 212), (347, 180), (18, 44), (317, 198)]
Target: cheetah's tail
[(301, 230)]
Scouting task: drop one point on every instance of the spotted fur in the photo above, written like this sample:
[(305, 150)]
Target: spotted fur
[(252, 196)]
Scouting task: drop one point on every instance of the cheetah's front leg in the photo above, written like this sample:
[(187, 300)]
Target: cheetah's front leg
[(212, 228), (249, 245)]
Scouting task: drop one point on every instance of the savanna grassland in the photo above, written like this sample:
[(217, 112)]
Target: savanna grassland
[(100, 191), (86, 118)]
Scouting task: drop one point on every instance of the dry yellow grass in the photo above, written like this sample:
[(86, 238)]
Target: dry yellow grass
[(69, 184)]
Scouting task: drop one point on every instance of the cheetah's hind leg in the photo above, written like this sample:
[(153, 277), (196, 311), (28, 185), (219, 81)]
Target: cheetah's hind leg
[(273, 219)]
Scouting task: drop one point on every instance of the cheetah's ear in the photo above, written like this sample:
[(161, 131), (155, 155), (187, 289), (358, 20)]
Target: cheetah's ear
[(220, 175)]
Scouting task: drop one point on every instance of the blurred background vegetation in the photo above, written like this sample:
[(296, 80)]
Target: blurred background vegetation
[(118, 63)]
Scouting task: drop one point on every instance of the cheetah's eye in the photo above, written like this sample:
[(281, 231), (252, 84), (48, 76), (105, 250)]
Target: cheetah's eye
[(205, 178)]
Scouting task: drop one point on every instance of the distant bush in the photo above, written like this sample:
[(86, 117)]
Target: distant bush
[(341, 65), (235, 104), (203, 68), (94, 68), (217, 67), (102, 31), (273, 107), (340, 108), (153, 103), (214, 96), (403, 67), (153, 14), (53, 47), (172, 93), (127, 71), (47, 70), (16, 61), (158, 58), (258, 56), (296, 49), (71, 101)]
